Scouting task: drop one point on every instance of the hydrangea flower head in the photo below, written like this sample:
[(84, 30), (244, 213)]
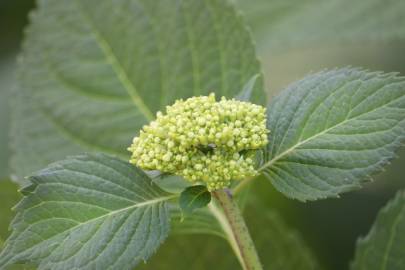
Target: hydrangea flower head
[(203, 140)]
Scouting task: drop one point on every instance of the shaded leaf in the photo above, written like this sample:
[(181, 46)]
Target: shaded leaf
[(279, 248), (9, 197), (332, 130), (194, 197), (88, 212), (172, 183), (283, 24), (197, 252), (93, 72), (200, 222), (7, 67), (21, 267), (383, 247), (246, 93)]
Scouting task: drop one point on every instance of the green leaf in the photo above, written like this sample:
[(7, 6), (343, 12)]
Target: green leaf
[(283, 24), (202, 219), (383, 247), (200, 222), (31, 134), (21, 267), (171, 183), (332, 130), (9, 197), (93, 72), (196, 252), (7, 68), (88, 212), (246, 93), (194, 197), (279, 247)]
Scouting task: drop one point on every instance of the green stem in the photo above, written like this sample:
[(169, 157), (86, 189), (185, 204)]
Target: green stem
[(238, 231)]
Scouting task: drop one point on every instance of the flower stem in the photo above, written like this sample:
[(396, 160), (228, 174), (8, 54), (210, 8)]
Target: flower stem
[(238, 231)]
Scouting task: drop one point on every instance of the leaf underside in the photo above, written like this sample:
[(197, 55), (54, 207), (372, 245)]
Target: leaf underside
[(194, 197), (7, 82), (93, 72), (279, 248), (9, 196), (200, 222), (290, 24), (88, 212), (332, 130), (383, 248)]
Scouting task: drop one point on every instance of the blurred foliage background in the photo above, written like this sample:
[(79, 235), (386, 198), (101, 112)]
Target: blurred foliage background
[(294, 38)]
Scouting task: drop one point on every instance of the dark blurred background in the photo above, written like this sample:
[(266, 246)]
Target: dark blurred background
[(329, 227)]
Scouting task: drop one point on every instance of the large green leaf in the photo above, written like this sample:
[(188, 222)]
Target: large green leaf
[(297, 23), (35, 140), (332, 130), (384, 246), (88, 212), (279, 248), (92, 72)]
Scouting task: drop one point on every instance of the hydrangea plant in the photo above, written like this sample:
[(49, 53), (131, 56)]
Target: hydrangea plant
[(203, 140), (95, 73)]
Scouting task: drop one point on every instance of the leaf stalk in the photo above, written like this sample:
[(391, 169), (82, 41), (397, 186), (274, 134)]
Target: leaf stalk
[(237, 230)]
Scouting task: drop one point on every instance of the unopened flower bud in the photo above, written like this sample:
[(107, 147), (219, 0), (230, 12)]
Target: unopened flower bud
[(202, 140)]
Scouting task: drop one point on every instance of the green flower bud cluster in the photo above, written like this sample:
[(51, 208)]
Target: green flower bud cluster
[(203, 140)]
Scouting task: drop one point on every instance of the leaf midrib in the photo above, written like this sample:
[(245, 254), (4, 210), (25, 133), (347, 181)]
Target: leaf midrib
[(292, 148), (199, 194), (194, 57), (138, 205), (117, 67)]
